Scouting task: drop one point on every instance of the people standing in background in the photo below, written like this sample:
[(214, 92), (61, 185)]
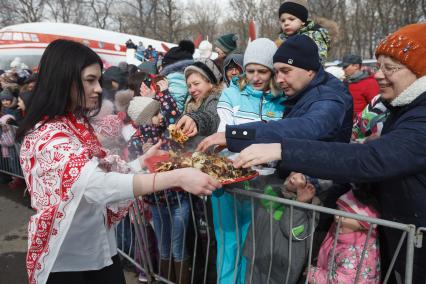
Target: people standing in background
[(130, 44), (232, 67), (140, 51), (225, 45), (362, 86), (173, 64)]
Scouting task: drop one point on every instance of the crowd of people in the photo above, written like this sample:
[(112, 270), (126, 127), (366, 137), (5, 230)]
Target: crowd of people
[(356, 145)]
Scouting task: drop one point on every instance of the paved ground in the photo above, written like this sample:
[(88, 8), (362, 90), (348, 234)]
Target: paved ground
[(14, 215)]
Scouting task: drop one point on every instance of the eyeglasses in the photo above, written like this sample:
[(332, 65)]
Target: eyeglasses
[(388, 69)]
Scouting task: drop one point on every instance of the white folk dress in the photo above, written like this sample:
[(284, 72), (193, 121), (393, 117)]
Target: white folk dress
[(62, 163)]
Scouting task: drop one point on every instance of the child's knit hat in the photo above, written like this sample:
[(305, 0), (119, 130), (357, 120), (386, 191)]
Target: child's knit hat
[(297, 8), (227, 42), (350, 204), (6, 95), (122, 100), (183, 51), (142, 109)]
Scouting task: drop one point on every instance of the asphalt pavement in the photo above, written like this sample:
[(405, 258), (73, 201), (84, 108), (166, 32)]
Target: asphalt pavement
[(14, 216)]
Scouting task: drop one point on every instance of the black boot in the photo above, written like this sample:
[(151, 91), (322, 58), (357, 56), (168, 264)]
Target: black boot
[(182, 271), (167, 270)]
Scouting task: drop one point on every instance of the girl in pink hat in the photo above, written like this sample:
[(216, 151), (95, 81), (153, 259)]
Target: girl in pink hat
[(350, 245)]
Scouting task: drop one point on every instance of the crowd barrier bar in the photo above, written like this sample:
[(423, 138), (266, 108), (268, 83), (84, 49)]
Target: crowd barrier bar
[(409, 235)]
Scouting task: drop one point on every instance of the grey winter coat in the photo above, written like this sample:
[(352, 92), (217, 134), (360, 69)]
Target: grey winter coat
[(280, 258), (206, 116)]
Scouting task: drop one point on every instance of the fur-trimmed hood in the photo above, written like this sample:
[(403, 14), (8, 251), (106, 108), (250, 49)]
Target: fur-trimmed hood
[(122, 100), (411, 93), (176, 67), (237, 59)]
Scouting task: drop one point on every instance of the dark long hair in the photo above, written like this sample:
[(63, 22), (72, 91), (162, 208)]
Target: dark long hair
[(59, 73)]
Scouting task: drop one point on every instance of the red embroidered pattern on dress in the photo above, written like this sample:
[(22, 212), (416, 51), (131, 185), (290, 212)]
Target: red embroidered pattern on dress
[(52, 157)]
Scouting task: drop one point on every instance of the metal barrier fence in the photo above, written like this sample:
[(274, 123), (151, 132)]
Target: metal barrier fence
[(149, 237), (9, 154), (407, 240)]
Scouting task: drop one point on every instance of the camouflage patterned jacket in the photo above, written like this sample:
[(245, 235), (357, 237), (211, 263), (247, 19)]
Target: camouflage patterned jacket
[(317, 33)]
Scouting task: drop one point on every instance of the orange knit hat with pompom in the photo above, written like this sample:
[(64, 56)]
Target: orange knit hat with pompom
[(408, 46)]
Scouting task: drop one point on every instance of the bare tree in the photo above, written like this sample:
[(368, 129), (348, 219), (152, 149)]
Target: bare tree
[(7, 15), (67, 11), (140, 18), (24, 11), (101, 10), (242, 11), (267, 20), (172, 18), (354, 26), (202, 20)]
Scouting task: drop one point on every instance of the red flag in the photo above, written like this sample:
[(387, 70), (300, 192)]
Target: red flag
[(252, 30), (198, 40), (165, 47)]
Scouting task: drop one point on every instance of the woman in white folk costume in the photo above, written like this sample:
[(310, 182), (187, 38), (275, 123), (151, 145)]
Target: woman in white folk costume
[(71, 239)]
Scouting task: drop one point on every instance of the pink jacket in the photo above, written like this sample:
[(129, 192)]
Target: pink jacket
[(346, 259)]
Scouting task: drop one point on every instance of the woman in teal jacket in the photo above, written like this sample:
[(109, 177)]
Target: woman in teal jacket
[(251, 97)]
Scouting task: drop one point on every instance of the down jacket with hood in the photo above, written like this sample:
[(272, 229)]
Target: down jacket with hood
[(242, 106), (177, 82), (394, 165), (235, 58)]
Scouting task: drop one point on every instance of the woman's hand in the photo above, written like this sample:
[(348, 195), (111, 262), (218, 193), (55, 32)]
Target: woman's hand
[(153, 151), (258, 154), (217, 139), (196, 182), (144, 91), (163, 85), (188, 126)]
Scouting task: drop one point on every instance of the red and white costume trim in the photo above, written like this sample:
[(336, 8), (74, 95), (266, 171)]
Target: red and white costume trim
[(53, 156)]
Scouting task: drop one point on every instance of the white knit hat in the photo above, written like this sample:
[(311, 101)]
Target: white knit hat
[(142, 109), (205, 48), (260, 51)]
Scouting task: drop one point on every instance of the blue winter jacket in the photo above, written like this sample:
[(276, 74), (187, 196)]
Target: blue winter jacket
[(322, 111), (177, 82)]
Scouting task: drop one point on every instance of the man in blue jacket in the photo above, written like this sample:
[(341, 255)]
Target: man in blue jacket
[(317, 107)]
